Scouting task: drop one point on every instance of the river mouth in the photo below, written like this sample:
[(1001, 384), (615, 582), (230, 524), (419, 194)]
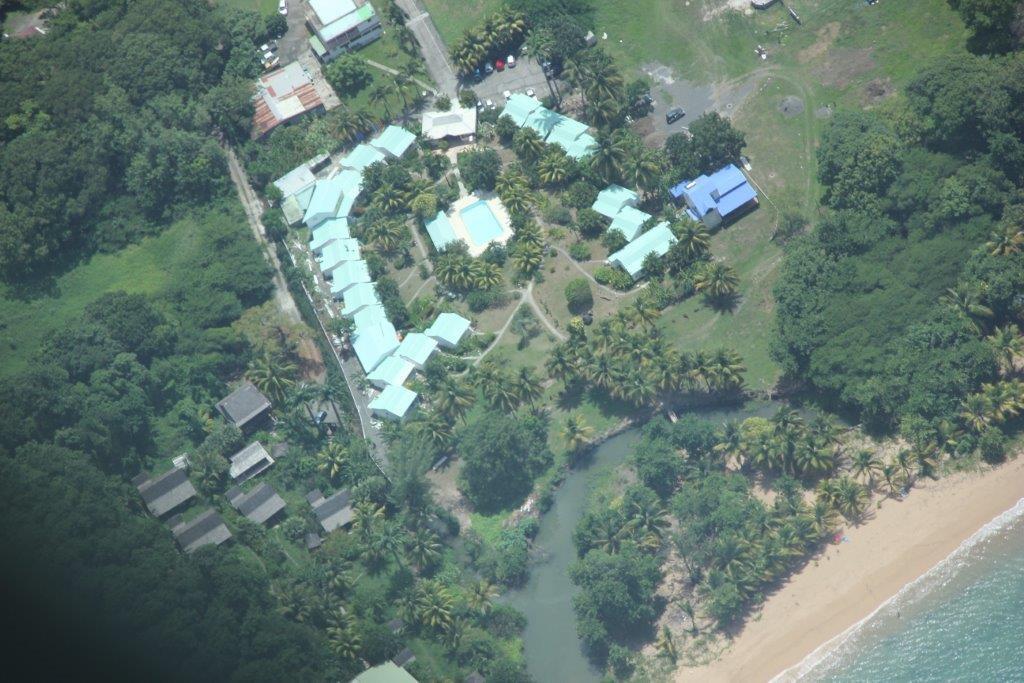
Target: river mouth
[(553, 650)]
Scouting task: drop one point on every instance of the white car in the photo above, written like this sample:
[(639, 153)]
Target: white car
[(530, 92), (510, 62), (282, 7)]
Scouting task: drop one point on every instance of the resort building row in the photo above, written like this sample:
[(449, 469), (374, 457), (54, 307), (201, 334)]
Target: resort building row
[(325, 206)]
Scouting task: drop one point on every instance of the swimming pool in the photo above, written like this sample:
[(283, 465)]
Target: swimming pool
[(481, 223)]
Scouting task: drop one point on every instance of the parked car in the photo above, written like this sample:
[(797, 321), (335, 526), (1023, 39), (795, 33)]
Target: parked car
[(282, 7), (531, 92), (511, 62), (499, 65), (674, 114), (265, 47), (488, 68), (268, 55)]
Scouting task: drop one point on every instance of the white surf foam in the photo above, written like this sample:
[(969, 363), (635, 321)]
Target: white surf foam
[(838, 648)]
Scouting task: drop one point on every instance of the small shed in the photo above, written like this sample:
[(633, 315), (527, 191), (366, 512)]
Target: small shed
[(245, 407), (205, 529), (164, 493), (250, 461), (441, 232), (259, 505), (404, 658)]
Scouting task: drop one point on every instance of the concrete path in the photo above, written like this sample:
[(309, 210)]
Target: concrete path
[(394, 72), (433, 49)]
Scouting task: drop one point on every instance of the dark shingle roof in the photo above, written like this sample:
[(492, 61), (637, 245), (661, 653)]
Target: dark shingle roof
[(166, 492), (404, 657), (243, 404), (258, 505), (208, 528), (334, 511)]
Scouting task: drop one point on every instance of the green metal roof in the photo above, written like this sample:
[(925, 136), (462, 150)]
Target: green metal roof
[(388, 672), (519, 107), (349, 275), (317, 46), (394, 140), (581, 147), (291, 210), (359, 296), (338, 252), (362, 156), (631, 257), (441, 231), (394, 401), (448, 329), (543, 121), (417, 348), (629, 221), (392, 370), (374, 343), (368, 317), (328, 231), (611, 200)]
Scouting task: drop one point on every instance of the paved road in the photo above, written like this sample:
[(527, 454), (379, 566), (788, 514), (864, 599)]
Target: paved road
[(435, 54)]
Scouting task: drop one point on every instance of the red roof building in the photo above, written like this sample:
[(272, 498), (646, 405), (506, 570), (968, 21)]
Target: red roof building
[(284, 95)]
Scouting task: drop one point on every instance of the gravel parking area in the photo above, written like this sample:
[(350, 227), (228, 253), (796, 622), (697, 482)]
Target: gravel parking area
[(526, 74)]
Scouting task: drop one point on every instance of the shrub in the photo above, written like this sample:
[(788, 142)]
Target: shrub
[(467, 98), (589, 222), (613, 240), (578, 295), (505, 128), (480, 300), (580, 251), (613, 277), (444, 103), (479, 168), (348, 74), (556, 213), (580, 195)]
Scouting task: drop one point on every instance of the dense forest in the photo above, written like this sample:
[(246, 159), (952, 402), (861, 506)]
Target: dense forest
[(904, 298)]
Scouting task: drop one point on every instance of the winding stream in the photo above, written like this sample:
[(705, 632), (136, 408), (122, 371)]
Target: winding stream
[(553, 651)]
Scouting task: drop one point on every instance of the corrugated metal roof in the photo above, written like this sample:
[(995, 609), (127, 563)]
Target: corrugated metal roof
[(448, 329), (393, 402), (657, 240), (394, 140), (610, 200), (441, 231)]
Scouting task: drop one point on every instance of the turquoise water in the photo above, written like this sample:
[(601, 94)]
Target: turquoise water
[(481, 223), (962, 621)]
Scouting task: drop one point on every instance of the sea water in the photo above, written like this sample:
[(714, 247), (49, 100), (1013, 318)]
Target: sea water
[(961, 621)]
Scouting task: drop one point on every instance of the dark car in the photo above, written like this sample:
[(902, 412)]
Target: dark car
[(674, 114)]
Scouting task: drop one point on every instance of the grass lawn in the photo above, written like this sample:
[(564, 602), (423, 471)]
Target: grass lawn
[(455, 17), (261, 6), (140, 268)]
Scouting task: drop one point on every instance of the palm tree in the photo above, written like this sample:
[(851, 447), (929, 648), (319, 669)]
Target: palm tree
[(562, 364), (694, 240), (602, 111), (967, 303), (976, 411), (864, 464), (272, 374), (648, 521), (435, 428), (481, 595), (333, 460), (609, 155), (453, 398), (717, 280), (423, 547), (851, 498), (388, 235), (528, 144), (577, 433), (517, 199), (433, 605), (687, 608), (527, 258), (823, 517), (485, 275), (553, 168), (365, 518), (380, 94), (1008, 344), (643, 168), (526, 386), (1006, 240), (891, 477), (666, 645)]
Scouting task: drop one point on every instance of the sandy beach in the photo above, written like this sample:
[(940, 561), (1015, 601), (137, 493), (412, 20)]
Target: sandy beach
[(850, 580)]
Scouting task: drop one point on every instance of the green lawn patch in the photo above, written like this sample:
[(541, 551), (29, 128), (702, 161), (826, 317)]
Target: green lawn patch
[(262, 6), (140, 268), (455, 17)]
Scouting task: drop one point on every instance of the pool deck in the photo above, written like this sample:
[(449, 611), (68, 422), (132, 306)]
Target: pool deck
[(462, 232)]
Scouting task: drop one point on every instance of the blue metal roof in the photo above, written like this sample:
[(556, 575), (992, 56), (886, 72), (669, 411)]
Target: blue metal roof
[(392, 370), (375, 343), (448, 328), (359, 296), (368, 317), (395, 401), (417, 348), (727, 189), (361, 157), (328, 231), (349, 274)]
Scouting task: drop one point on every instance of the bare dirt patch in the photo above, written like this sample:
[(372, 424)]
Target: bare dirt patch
[(791, 106), (841, 66), (878, 89), (713, 8), (827, 35)]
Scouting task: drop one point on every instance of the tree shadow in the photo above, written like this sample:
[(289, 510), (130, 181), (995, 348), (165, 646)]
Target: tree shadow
[(725, 303)]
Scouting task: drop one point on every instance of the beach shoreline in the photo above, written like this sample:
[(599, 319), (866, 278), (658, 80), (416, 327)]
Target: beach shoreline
[(849, 581)]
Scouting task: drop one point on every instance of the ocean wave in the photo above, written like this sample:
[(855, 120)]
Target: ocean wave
[(835, 652)]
